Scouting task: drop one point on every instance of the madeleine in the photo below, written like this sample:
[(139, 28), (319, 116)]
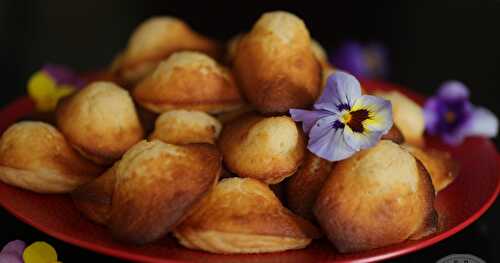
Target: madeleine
[(154, 40), (242, 215), (36, 157), (184, 127), (93, 199), (275, 66), (320, 54), (264, 148), (100, 121), (378, 197), (157, 184), (189, 80), (304, 186), (407, 115), (442, 168)]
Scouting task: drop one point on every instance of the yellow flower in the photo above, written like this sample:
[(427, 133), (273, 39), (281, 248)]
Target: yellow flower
[(45, 92), (40, 252)]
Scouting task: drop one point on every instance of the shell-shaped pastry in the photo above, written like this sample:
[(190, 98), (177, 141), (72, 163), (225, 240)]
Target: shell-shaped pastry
[(93, 199), (407, 115), (378, 197), (100, 121), (189, 80), (275, 66), (320, 54), (264, 148), (304, 186), (242, 215), (35, 156), (441, 166), (154, 40), (184, 127), (156, 186)]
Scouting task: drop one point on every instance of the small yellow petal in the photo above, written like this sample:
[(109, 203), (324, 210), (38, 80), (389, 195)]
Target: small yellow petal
[(40, 252), (40, 84)]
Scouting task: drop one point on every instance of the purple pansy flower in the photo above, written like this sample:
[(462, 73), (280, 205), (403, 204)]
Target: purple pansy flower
[(343, 121), (450, 115), (369, 61), (63, 75), (13, 252)]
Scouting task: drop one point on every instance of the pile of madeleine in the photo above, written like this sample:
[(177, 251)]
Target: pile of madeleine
[(194, 138)]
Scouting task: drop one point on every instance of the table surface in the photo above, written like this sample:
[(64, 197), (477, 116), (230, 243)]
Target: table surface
[(480, 239)]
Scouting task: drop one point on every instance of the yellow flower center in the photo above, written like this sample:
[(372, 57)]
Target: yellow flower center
[(355, 119)]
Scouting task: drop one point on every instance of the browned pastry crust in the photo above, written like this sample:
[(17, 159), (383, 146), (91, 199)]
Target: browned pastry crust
[(242, 215), (156, 186), (94, 198), (35, 156), (275, 66), (394, 135), (184, 127), (440, 165), (100, 121), (304, 186), (264, 148), (153, 41), (189, 80), (378, 197)]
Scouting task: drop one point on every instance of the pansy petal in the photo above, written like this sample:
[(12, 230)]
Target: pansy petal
[(358, 141), (482, 123), (432, 110), (453, 90), (10, 257), (323, 126), (341, 90), (350, 57), (331, 146), (308, 118), (16, 246), (379, 112)]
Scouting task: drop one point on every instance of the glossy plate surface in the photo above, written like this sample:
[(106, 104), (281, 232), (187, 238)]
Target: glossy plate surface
[(472, 193)]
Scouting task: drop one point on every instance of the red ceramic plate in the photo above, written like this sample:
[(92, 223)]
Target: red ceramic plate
[(472, 193)]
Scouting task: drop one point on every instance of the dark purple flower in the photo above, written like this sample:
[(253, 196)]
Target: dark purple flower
[(63, 75), (369, 61), (450, 115), (343, 121), (12, 252)]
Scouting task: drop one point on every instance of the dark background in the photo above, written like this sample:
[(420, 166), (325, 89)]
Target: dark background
[(429, 42)]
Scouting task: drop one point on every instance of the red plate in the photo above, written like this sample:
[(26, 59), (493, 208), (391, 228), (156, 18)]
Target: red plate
[(472, 193)]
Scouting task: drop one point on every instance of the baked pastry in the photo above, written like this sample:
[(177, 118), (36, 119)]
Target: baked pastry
[(184, 127), (100, 121), (231, 47), (441, 166), (274, 64), (153, 41), (242, 215), (189, 80), (156, 186), (304, 186), (93, 199), (36, 157), (407, 115), (320, 54), (264, 148), (394, 134), (378, 197)]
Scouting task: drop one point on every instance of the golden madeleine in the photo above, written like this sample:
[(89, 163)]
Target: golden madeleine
[(304, 186), (407, 115), (320, 54), (154, 40), (100, 121), (93, 199), (186, 126), (156, 186), (231, 47), (264, 148), (229, 116), (440, 165), (189, 80), (394, 134), (378, 197), (242, 215), (36, 157), (275, 66)]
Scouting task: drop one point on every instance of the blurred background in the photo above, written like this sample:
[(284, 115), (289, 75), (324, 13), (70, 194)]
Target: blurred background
[(427, 43)]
